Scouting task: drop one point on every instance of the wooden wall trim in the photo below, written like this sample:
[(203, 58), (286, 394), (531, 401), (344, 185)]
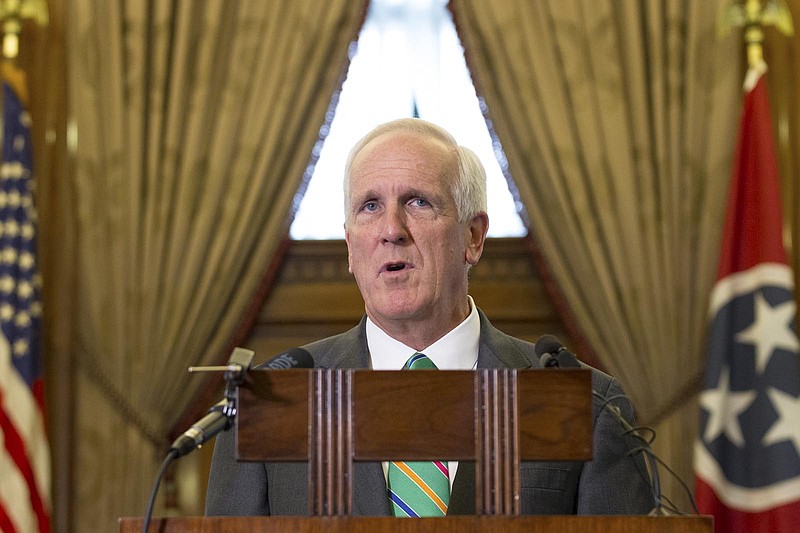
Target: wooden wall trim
[(315, 296)]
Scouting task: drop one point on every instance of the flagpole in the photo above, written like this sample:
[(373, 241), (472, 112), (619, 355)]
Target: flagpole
[(12, 15), (753, 17)]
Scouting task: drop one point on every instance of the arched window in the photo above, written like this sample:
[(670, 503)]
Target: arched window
[(409, 62)]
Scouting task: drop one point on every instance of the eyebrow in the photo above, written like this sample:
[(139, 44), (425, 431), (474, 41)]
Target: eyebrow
[(365, 196), (432, 197)]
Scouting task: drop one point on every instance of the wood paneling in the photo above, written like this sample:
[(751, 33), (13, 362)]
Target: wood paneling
[(315, 296)]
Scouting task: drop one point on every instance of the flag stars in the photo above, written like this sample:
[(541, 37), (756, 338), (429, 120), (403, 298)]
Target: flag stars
[(6, 312), (22, 320), (787, 427), (19, 143), (724, 407), (13, 170), (7, 284), (25, 289), (26, 260), (11, 228), (21, 347), (9, 255), (14, 198), (770, 330)]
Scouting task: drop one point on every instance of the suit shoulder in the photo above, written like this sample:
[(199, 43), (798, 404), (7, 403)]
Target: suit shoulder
[(343, 350), (602, 382)]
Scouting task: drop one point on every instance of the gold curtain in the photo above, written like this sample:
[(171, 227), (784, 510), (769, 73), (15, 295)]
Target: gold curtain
[(193, 125), (618, 120)]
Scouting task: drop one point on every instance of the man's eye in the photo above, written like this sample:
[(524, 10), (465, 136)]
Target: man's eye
[(420, 202), (370, 206)]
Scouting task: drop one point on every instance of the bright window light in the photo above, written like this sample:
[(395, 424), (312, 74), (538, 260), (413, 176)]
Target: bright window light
[(409, 61)]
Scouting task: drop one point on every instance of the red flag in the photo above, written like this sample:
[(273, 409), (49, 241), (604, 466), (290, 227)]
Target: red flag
[(747, 457), (24, 452)]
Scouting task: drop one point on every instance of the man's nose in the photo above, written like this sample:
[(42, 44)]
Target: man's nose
[(394, 229)]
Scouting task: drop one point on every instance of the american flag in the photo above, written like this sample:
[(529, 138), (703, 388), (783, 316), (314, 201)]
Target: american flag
[(24, 455), (747, 457)]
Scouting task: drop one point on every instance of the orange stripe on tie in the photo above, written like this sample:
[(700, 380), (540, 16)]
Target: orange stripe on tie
[(422, 485)]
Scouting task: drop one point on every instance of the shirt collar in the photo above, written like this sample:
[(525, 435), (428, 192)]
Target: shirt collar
[(457, 350)]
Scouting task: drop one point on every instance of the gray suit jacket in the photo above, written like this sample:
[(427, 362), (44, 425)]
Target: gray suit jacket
[(611, 483)]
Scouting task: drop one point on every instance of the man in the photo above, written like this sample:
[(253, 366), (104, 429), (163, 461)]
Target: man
[(415, 222)]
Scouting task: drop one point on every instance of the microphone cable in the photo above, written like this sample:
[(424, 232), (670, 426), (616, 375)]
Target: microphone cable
[(553, 354), (151, 502)]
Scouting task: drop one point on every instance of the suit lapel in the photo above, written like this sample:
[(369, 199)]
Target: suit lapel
[(348, 350), (498, 350)]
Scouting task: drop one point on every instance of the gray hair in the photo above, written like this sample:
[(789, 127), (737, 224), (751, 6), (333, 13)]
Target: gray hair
[(469, 186)]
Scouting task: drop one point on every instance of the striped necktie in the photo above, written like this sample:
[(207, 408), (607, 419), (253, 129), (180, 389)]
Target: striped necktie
[(419, 488)]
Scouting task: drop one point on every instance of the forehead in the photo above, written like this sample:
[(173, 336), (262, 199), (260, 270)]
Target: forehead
[(403, 156)]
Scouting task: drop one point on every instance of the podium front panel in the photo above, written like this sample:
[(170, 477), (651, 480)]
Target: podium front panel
[(417, 415)]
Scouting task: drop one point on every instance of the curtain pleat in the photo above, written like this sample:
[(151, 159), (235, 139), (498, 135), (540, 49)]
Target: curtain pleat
[(194, 122), (617, 118)]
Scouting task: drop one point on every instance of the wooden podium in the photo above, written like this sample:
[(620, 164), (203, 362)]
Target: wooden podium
[(494, 417)]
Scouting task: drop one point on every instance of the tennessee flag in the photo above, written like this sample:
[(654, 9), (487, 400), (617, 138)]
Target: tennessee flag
[(747, 457), (24, 453)]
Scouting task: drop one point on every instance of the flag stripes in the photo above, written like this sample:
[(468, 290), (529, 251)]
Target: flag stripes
[(24, 452)]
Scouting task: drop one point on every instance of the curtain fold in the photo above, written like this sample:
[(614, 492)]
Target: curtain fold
[(194, 122), (617, 118)]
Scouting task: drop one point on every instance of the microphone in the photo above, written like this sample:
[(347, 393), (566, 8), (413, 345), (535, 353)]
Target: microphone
[(294, 358), (215, 421), (553, 354), (220, 416)]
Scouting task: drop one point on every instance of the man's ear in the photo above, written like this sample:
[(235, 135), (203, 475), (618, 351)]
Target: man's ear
[(349, 255), (478, 227)]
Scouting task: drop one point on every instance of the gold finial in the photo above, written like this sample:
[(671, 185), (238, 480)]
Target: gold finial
[(12, 13), (753, 17)]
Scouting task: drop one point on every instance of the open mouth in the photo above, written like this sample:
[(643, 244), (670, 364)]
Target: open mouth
[(394, 267)]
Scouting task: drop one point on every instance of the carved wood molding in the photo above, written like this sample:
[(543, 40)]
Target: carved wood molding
[(315, 296), (326, 261)]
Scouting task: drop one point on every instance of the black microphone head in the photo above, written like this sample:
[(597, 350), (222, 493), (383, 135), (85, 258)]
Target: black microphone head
[(547, 344), (294, 358), (553, 354), (567, 359)]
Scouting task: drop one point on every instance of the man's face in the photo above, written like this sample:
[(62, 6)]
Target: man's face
[(407, 250)]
